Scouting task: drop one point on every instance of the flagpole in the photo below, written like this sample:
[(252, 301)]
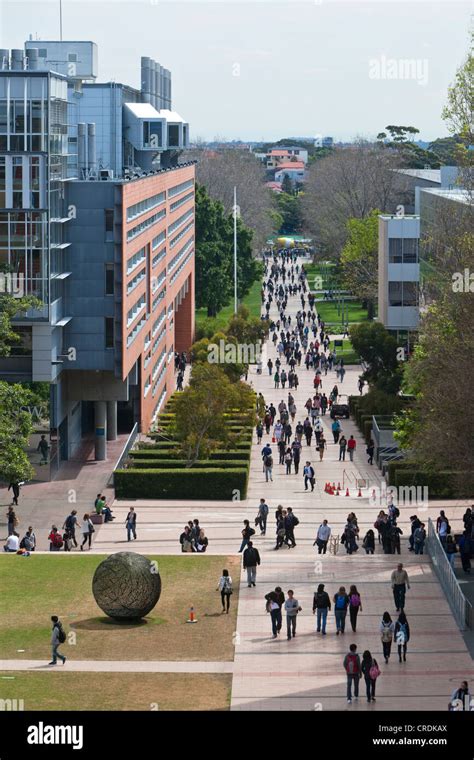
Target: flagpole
[(235, 250)]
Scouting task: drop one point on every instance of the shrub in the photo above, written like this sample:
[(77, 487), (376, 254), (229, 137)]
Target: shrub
[(172, 464), (441, 485), (213, 484)]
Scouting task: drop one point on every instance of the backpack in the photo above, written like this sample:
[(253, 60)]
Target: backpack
[(352, 665), (402, 634), (70, 522), (396, 512), (268, 461), (295, 521), (355, 600), (57, 540), (374, 671), (387, 635), (340, 602), (61, 633)]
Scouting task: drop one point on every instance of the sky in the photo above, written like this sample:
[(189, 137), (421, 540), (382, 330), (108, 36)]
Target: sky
[(266, 69)]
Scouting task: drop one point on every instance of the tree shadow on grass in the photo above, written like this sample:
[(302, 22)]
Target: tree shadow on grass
[(100, 623)]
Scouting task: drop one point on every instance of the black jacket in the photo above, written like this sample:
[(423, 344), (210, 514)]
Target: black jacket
[(321, 601), (276, 596), (251, 557)]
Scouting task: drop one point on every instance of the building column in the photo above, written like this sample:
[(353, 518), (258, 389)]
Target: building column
[(100, 417), (111, 420)]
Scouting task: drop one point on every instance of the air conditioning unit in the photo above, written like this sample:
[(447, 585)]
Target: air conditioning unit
[(106, 174)]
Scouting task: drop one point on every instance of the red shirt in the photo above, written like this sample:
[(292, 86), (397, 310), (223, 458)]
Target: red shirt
[(351, 443)]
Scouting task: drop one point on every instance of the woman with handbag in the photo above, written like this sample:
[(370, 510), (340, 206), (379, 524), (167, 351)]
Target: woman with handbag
[(87, 530), (371, 672), (225, 587)]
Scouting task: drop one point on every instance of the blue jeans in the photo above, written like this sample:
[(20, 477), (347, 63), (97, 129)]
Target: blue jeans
[(451, 558), (340, 619), (55, 654), (276, 621), (243, 544), (131, 530), (350, 680), (321, 616)]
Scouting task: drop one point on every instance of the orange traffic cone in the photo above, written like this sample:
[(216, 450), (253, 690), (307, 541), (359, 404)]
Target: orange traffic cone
[(192, 619), (339, 485), (347, 492), (360, 492)]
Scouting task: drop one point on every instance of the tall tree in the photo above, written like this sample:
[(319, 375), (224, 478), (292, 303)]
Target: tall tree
[(359, 257), (378, 351)]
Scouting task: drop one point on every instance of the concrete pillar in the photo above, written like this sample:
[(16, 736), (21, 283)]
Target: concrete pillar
[(111, 420), (100, 415)]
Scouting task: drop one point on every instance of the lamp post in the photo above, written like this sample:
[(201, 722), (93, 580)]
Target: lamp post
[(235, 250)]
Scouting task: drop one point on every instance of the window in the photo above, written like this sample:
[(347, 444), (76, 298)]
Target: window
[(173, 136), (109, 332), (177, 189), (403, 250), (403, 293), (145, 205), (42, 53), (72, 57), (109, 279), (109, 224)]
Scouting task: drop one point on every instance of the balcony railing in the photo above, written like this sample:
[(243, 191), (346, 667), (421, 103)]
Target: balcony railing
[(460, 606)]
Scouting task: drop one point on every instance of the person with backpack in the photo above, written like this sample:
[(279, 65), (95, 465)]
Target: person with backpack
[(70, 524), (262, 517), (355, 606), (251, 559), (274, 602), (387, 628), (58, 637), (296, 451), (341, 603), (87, 530), (419, 538), (308, 474), (395, 532), (415, 523), (450, 549), (402, 635), (352, 667), (55, 540), (321, 605), (369, 542), (400, 584), (268, 467), (225, 587), (342, 448), (322, 537), (247, 532), (370, 670), (290, 523), (322, 445), (292, 608)]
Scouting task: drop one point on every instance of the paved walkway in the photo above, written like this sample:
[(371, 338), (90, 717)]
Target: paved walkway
[(118, 666)]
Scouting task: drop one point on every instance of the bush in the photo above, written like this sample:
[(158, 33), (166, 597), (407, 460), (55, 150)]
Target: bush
[(172, 464), (367, 430), (440, 485), (160, 454), (213, 484)]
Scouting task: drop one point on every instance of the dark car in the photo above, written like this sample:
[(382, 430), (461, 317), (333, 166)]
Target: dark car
[(339, 409)]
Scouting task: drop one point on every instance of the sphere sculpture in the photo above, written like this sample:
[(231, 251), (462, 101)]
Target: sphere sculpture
[(126, 586)]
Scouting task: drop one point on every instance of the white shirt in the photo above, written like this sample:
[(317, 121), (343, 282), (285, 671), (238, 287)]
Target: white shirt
[(13, 543), (324, 532)]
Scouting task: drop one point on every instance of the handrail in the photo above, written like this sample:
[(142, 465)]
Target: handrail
[(128, 445), (460, 606)]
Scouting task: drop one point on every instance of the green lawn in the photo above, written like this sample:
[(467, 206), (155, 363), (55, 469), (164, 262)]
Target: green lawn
[(117, 691), (252, 301), (37, 587), (327, 310), (346, 352)]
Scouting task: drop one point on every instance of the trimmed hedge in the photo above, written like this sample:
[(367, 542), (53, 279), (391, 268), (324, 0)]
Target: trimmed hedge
[(171, 464), (160, 454), (441, 485), (213, 484)]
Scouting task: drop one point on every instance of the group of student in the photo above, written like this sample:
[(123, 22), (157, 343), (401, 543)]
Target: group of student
[(193, 538)]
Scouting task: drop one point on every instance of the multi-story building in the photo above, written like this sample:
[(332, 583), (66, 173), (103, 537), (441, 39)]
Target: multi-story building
[(97, 220)]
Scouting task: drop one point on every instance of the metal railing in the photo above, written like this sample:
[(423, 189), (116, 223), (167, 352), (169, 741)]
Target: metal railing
[(461, 607), (130, 442)]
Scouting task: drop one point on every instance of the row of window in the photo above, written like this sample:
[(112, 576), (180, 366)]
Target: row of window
[(159, 403), (136, 280), (403, 250), (180, 221), (157, 241), (138, 327), (146, 205), (158, 380), (139, 228), (157, 281), (181, 201), (158, 298), (181, 234), (159, 257), (158, 322), (181, 267), (184, 250), (136, 259), (136, 309), (177, 189)]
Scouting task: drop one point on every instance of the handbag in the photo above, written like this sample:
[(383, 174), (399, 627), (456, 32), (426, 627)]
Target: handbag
[(91, 528)]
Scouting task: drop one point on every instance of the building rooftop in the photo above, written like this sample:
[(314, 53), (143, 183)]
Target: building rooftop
[(291, 165), (459, 195), (432, 175)]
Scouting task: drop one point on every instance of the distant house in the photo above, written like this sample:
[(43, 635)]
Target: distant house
[(275, 186), (295, 170)]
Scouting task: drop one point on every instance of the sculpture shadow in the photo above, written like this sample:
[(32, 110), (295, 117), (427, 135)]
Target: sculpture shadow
[(98, 623)]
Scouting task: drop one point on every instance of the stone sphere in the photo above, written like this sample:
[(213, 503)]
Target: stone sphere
[(126, 586)]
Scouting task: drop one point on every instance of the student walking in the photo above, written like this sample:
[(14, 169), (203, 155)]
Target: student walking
[(400, 584), (321, 605), (355, 606), (351, 447), (322, 537), (450, 549), (275, 601), (370, 670), (87, 530), (308, 473), (225, 587), (292, 608), (247, 533), (402, 635), (387, 628), (58, 637), (262, 517), (369, 542), (321, 446), (341, 603), (370, 451), (131, 523), (352, 666), (419, 538), (336, 430), (268, 467), (70, 524), (342, 448), (251, 560), (12, 520), (15, 489)]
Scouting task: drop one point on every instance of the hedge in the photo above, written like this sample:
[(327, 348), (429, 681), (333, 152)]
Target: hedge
[(160, 454), (441, 484), (367, 431), (213, 484), (171, 464)]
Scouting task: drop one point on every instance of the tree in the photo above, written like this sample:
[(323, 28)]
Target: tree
[(289, 207), (287, 185), (201, 409), (459, 116), (15, 431), (350, 183), (359, 257), (400, 134), (378, 350), (412, 155)]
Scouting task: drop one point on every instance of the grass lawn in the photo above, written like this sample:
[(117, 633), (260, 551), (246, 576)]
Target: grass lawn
[(327, 310), (37, 587), (118, 691), (252, 301), (346, 352)]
